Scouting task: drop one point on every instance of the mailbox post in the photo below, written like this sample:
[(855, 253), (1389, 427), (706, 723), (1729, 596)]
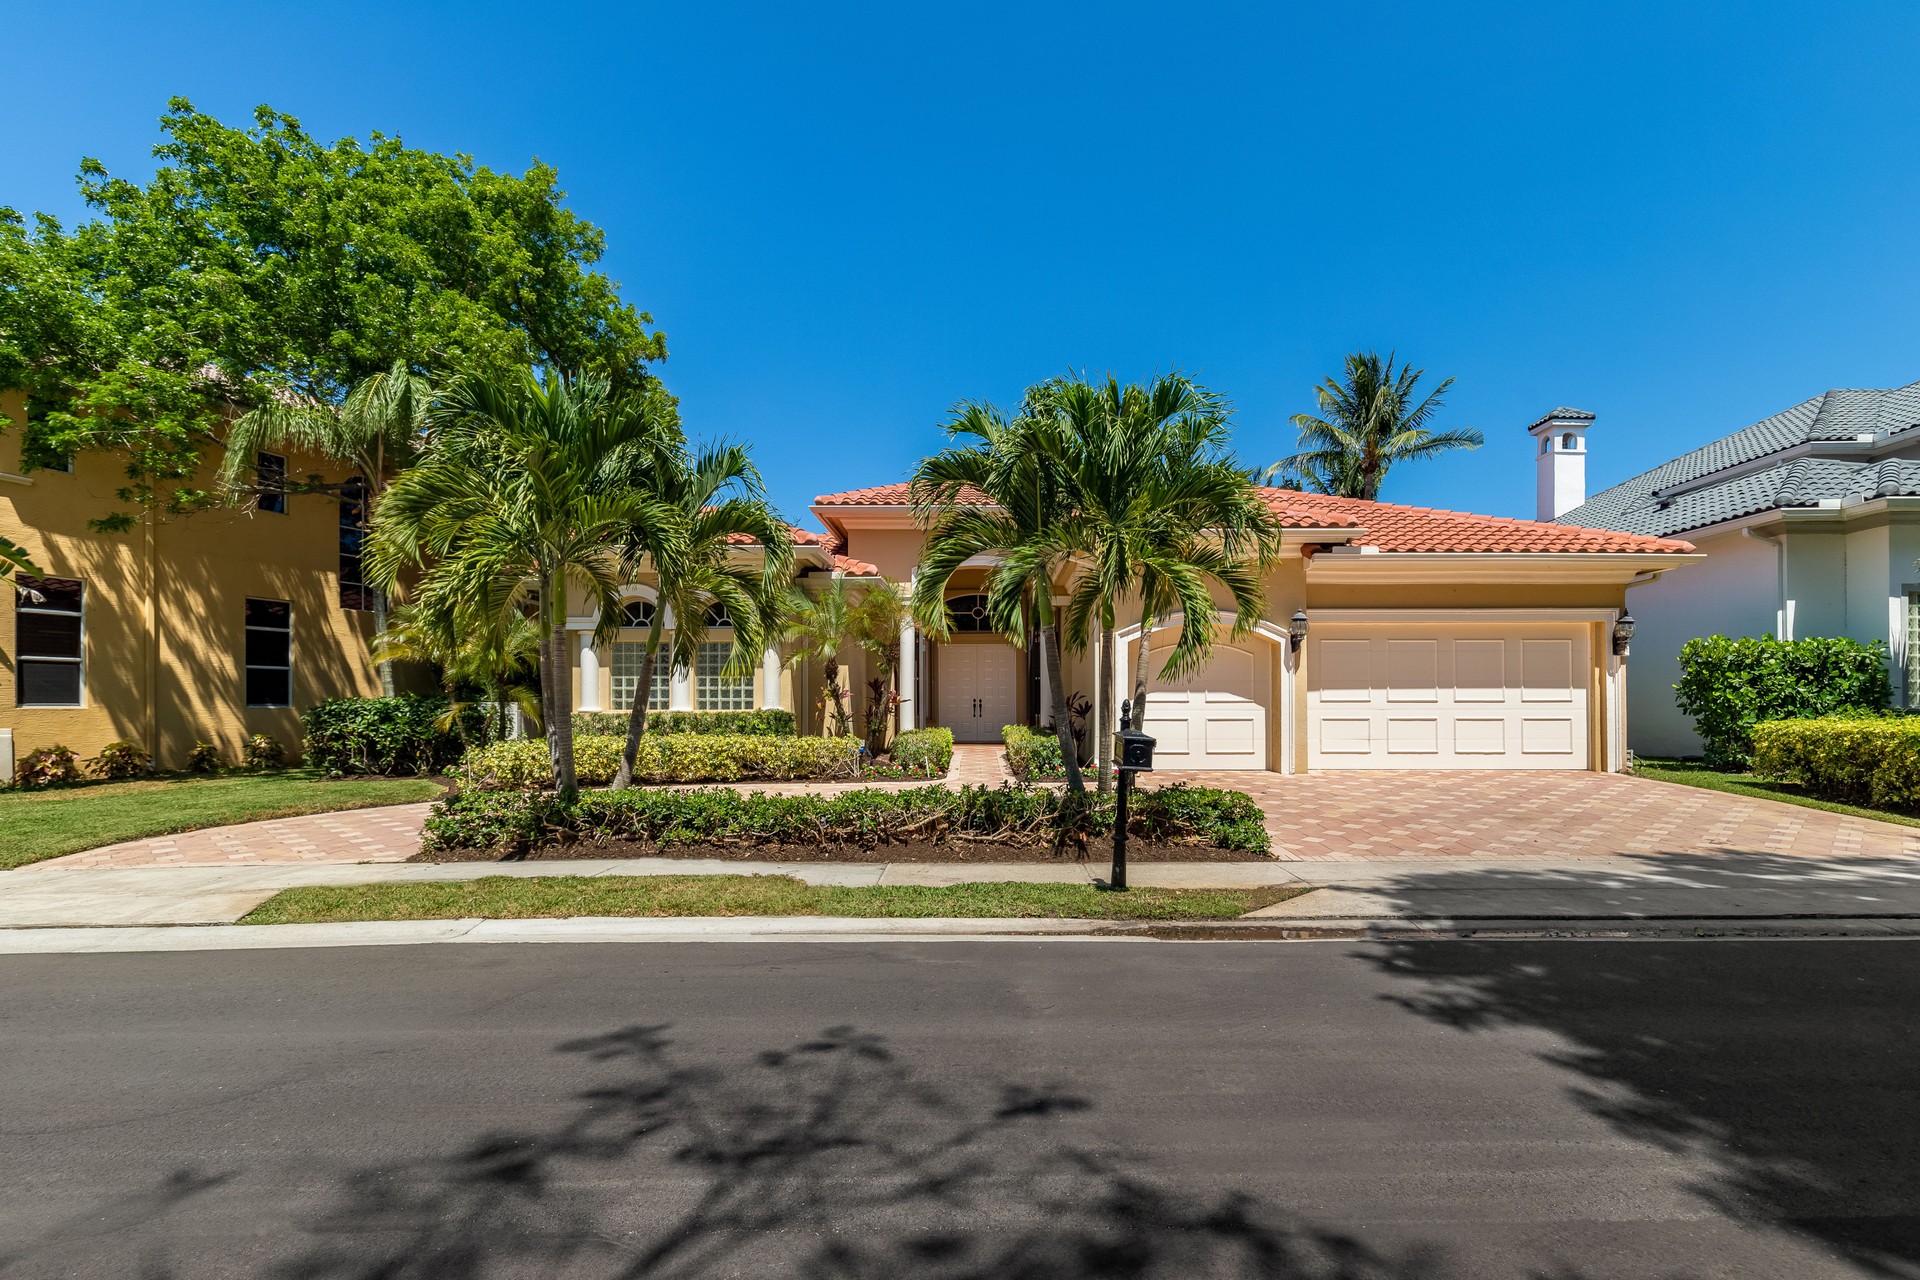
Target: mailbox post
[(1136, 756)]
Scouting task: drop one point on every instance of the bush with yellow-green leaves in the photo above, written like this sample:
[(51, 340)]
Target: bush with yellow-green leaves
[(1866, 759), (669, 757)]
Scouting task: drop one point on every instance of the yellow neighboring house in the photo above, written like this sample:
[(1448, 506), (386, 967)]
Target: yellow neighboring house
[(208, 627)]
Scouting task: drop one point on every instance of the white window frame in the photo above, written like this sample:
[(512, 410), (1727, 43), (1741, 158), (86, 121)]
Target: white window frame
[(248, 667), (21, 606)]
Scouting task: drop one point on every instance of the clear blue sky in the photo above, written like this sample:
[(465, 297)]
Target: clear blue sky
[(1680, 216)]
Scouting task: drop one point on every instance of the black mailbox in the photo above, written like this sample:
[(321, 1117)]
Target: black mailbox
[(1136, 751)]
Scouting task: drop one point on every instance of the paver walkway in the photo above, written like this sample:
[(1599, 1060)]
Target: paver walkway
[(393, 834), (1369, 814)]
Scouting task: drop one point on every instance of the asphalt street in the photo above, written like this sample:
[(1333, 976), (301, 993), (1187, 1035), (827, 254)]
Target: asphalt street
[(1548, 1110)]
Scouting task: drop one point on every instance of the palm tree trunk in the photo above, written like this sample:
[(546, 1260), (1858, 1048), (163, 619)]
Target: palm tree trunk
[(1140, 666), (560, 723), (637, 718), (830, 671), (1103, 745), (385, 666), (1062, 730)]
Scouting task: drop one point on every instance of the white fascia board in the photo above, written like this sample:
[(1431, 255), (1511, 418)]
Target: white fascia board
[(1494, 566)]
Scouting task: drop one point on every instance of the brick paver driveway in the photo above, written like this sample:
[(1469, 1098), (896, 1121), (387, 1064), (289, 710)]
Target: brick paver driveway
[(1365, 814)]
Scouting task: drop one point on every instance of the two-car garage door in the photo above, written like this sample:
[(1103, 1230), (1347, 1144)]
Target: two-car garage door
[(1427, 696)]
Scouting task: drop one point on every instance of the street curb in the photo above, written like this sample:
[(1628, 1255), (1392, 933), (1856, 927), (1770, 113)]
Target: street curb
[(1529, 928)]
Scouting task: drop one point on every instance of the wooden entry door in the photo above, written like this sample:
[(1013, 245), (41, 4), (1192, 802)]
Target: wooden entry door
[(977, 690)]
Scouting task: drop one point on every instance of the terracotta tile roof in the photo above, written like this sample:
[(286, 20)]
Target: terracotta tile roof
[(885, 495), (1392, 527), (801, 538)]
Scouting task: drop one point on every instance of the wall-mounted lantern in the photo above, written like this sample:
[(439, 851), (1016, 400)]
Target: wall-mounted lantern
[(1622, 634), (1297, 629)]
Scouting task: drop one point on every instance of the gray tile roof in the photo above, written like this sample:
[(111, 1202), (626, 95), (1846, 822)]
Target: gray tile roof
[(1648, 504)]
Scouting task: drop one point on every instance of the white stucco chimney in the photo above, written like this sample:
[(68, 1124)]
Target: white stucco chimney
[(1560, 461)]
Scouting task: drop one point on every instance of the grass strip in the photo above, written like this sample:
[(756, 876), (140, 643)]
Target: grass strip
[(538, 897), (1692, 773), (35, 825)]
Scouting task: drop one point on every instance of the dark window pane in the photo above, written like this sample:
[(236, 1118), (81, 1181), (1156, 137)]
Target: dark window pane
[(638, 613), (47, 635), (269, 687), (717, 616), (271, 470), (61, 595), (269, 613), (48, 684), (269, 648), (968, 613)]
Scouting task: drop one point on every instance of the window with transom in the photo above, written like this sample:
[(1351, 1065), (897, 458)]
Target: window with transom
[(969, 613)]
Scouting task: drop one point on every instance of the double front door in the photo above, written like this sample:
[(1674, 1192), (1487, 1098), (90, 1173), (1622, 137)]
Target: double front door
[(978, 686)]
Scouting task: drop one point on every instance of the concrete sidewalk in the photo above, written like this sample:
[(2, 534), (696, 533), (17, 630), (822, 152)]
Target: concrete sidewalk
[(1667, 886)]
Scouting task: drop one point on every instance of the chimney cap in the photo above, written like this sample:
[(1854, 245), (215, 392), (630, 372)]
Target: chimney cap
[(1570, 417)]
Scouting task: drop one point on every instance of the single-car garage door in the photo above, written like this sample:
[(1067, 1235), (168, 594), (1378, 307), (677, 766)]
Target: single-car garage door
[(1216, 717), (1425, 696)]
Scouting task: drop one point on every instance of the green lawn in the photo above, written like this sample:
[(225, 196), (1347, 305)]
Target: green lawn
[(45, 824), (1693, 773), (519, 898)]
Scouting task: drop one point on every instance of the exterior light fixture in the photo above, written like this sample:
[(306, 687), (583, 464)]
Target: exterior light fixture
[(1297, 629), (1622, 634)]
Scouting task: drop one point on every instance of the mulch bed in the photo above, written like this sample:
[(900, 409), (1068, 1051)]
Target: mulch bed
[(923, 851)]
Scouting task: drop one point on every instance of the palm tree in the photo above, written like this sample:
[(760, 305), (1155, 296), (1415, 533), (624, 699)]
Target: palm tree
[(817, 628), (376, 431), (877, 618), (499, 654), (14, 562), (1159, 511), (524, 492), (718, 502), (1020, 525), (1370, 420)]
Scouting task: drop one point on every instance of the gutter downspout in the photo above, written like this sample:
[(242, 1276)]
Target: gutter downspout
[(1783, 615)]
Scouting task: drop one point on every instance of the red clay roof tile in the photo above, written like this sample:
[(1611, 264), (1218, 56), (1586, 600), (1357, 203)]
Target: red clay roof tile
[(1393, 527)]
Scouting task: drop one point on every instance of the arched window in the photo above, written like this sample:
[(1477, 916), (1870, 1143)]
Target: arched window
[(636, 613), (968, 613), (717, 615), (1566, 441), (1546, 444)]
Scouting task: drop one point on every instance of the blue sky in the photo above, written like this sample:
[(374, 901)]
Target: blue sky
[(1682, 217)]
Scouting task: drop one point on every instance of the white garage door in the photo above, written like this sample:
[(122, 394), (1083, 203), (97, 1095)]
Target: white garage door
[(1214, 718), (1392, 696)]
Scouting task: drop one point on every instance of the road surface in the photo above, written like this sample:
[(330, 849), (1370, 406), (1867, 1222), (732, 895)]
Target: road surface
[(1552, 1110)]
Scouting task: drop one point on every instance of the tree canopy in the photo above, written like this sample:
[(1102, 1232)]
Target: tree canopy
[(262, 263)]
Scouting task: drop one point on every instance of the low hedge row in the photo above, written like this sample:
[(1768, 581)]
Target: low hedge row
[(766, 722), (517, 822), (1862, 758), (386, 736), (925, 753), (1032, 755), (666, 757)]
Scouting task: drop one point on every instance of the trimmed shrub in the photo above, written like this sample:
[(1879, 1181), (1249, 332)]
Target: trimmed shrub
[(668, 757), (1031, 755), (1866, 759), (516, 822), (385, 736), (766, 722), (54, 766), (205, 758), (1728, 686), (263, 751), (120, 760), (923, 753)]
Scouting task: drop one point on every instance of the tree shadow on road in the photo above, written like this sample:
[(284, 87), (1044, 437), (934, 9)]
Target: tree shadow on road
[(1788, 1071), (829, 1159)]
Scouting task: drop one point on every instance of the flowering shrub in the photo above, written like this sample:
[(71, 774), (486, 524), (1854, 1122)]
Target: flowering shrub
[(1032, 755), (54, 766), (119, 760), (672, 757), (922, 753)]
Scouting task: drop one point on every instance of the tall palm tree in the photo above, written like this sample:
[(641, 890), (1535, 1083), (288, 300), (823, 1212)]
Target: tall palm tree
[(1369, 420), (469, 648), (1159, 511), (718, 503), (1004, 461), (376, 432), (817, 630), (524, 492)]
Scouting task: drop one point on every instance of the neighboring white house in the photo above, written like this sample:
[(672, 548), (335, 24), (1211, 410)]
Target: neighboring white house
[(1810, 522)]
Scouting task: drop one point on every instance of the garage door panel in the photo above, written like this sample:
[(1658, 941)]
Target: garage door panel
[(1215, 717), (1434, 695)]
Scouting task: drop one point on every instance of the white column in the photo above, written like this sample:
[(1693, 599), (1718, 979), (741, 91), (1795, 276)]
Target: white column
[(679, 690), (770, 678), (909, 660), (589, 674), (1289, 672)]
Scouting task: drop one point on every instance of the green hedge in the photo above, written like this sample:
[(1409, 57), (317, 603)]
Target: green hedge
[(1032, 755), (518, 821), (925, 753), (1728, 686), (667, 757), (386, 736), (1866, 759), (767, 722)]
